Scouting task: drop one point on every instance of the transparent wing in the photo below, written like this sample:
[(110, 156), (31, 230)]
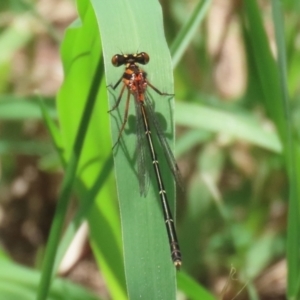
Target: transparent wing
[(143, 171), (165, 145)]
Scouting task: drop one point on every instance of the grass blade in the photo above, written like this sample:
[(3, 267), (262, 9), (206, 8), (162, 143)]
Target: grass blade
[(239, 126), (191, 288), (187, 32), (81, 51), (66, 187), (18, 282), (133, 26), (265, 65), (292, 161)]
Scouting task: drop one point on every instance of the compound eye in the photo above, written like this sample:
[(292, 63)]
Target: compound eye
[(118, 60), (146, 57), (143, 58)]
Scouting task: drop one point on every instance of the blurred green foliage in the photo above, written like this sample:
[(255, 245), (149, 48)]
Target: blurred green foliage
[(234, 145)]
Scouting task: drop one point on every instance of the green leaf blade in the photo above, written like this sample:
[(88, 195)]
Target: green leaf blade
[(150, 273)]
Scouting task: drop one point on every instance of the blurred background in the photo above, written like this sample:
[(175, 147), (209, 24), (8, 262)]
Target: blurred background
[(232, 216)]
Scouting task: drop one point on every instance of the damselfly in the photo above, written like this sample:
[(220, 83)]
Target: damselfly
[(135, 80)]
